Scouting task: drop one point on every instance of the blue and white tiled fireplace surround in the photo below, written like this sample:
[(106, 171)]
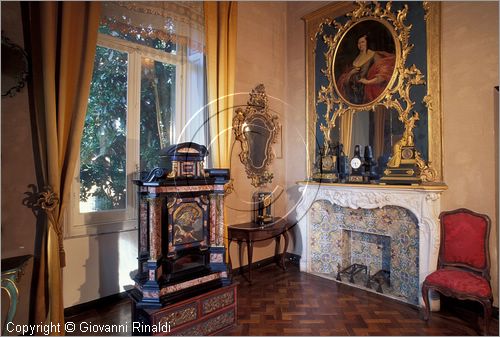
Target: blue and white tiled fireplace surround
[(393, 229)]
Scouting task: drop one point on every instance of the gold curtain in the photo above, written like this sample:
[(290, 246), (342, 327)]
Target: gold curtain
[(63, 41), (220, 35), (346, 131)]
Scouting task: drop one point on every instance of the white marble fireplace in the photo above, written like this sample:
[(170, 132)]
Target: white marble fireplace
[(422, 201)]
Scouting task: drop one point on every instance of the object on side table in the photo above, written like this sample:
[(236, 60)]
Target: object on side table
[(262, 207), (463, 269)]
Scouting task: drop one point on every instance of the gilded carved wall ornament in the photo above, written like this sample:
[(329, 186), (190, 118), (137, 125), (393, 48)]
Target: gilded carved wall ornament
[(256, 129), (340, 96)]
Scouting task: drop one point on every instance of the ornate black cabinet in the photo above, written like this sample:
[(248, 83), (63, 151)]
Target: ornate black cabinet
[(181, 250)]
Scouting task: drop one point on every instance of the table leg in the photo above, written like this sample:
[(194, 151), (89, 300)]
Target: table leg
[(9, 285), (277, 249), (240, 253), (284, 251), (250, 253)]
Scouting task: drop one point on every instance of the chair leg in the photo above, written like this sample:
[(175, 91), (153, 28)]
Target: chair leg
[(487, 315), (425, 295)]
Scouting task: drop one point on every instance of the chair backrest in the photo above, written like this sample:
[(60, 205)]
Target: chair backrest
[(465, 241)]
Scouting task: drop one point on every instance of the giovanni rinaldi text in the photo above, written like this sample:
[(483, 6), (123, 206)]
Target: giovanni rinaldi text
[(87, 327)]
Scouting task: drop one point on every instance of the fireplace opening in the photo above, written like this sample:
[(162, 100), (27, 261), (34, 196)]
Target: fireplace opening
[(366, 260), (376, 249)]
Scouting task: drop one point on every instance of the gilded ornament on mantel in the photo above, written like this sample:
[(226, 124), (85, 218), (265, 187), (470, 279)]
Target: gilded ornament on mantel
[(366, 70)]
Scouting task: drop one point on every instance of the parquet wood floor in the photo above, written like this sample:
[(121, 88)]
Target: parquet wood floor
[(294, 303)]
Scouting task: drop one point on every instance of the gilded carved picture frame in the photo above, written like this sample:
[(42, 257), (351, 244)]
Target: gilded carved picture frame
[(392, 32), (257, 130), (348, 67)]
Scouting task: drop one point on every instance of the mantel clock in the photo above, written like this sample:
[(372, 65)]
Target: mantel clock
[(356, 164)]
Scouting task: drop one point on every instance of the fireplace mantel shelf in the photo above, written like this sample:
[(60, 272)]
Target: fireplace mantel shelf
[(426, 187), (422, 200)]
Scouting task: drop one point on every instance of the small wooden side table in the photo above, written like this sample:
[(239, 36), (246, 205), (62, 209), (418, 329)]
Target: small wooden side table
[(251, 232), (12, 269)]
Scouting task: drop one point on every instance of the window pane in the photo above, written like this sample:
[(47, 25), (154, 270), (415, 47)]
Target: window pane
[(103, 150), (157, 110)]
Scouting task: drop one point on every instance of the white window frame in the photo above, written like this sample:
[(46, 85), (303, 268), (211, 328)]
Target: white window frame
[(110, 221)]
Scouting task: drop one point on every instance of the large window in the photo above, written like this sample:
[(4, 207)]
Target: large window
[(147, 92)]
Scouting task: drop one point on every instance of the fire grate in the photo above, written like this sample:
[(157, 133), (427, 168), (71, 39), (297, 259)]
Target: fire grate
[(380, 277), (351, 271)]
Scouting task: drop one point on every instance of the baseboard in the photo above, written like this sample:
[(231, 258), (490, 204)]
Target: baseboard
[(82, 307), (289, 257)]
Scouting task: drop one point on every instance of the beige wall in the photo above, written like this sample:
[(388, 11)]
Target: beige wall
[(17, 161), (470, 132), (17, 172), (261, 58)]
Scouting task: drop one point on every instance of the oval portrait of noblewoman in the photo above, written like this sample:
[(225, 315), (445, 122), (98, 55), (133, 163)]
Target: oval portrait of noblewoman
[(364, 62)]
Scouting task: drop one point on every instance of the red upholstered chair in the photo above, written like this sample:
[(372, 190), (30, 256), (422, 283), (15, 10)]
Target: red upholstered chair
[(463, 269)]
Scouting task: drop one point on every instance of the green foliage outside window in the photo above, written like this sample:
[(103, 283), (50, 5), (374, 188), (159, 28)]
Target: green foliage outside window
[(103, 146), (103, 151), (157, 110)]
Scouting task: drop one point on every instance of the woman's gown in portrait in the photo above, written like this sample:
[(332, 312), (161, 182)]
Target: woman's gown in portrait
[(381, 64)]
